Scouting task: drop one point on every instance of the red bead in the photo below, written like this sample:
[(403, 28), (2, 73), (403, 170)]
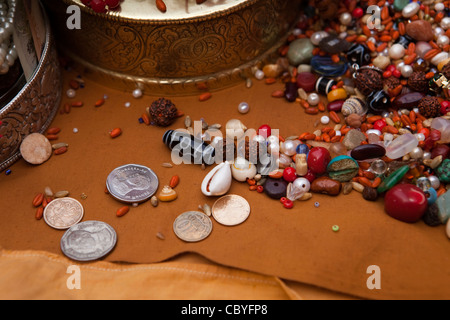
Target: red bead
[(98, 6), (387, 74), (310, 176), (289, 174), (86, 2), (283, 199), (397, 73), (358, 13), (445, 107), (260, 189), (379, 124), (265, 130), (288, 204), (425, 132), (318, 160), (306, 81), (112, 4), (405, 202), (391, 68)]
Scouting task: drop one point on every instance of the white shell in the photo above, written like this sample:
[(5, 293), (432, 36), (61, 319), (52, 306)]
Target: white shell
[(218, 181), (242, 169)]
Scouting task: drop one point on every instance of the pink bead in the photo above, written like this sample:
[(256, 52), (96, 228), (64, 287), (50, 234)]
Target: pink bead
[(445, 107)]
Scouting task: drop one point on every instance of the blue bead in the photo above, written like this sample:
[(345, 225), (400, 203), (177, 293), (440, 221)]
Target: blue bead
[(302, 148), (8, 172), (327, 68), (141, 120), (431, 195)]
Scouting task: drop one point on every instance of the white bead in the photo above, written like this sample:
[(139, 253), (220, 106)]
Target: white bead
[(445, 23), (435, 183), (259, 74), (345, 19), (439, 6), (338, 133), (313, 99), (316, 37), (325, 120), (75, 130), (416, 153), (137, 93), (420, 136), (297, 32), (439, 58), (374, 131), (407, 71), (438, 31), (397, 51), (442, 40), (410, 9), (289, 147), (71, 93), (243, 107), (127, 104), (302, 184), (426, 155)]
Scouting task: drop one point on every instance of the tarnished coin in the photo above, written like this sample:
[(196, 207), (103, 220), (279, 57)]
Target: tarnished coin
[(62, 213), (36, 148), (88, 241), (231, 210), (192, 226), (132, 183)]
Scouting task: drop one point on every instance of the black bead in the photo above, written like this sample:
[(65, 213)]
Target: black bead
[(378, 101), (359, 54)]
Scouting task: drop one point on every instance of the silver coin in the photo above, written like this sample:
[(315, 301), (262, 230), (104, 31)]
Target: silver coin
[(62, 213), (192, 226), (88, 241), (132, 183), (231, 210)]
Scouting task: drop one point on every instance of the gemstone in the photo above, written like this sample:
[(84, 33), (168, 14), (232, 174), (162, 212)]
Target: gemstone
[(405, 202), (402, 145), (342, 168), (367, 151), (400, 4), (443, 171), (353, 138), (420, 30), (392, 179), (408, 100), (300, 51), (318, 160), (443, 203)]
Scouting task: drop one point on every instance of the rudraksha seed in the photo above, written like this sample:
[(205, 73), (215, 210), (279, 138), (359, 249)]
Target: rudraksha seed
[(418, 82), (163, 112), (368, 80), (429, 107), (391, 83), (446, 71)]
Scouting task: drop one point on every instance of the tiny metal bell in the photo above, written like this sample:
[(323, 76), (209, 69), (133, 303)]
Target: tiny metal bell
[(359, 54), (378, 101)]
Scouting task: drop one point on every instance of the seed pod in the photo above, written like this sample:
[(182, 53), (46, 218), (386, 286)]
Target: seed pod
[(154, 201), (39, 213), (122, 211), (99, 102), (53, 130), (60, 150), (115, 132), (159, 235), (37, 201), (59, 145), (161, 6), (167, 165), (61, 194), (48, 192), (52, 137)]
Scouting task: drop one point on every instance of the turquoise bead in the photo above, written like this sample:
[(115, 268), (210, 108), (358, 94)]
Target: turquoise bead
[(400, 4), (443, 171), (431, 195), (443, 203), (342, 168), (392, 179)]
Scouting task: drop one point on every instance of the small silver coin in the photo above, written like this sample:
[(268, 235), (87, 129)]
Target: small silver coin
[(132, 183), (62, 213), (192, 226), (88, 241)]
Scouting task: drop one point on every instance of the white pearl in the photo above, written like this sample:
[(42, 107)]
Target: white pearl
[(289, 147), (325, 120), (259, 138), (416, 153), (435, 183), (316, 37), (313, 99), (71, 93), (75, 130), (445, 23), (438, 31), (442, 40), (127, 104), (439, 7), (297, 32), (259, 74), (439, 57), (397, 51), (345, 19), (302, 184), (243, 107), (410, 9), (407, 71), (137, 93), (374, 131), (426, 155), (420, 136)]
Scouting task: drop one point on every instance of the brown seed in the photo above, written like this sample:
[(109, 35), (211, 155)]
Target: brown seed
[(37, 201), (60, 150), (161, 6), (39, 213), (154, 201), (122, 211), (61, 194), (312, 110), (53, 130), (174, 181), (52, 137), (115, 132), (59, 145), (77, 104)]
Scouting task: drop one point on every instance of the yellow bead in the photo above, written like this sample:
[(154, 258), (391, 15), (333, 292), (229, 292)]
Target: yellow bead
[(442, 64), (337, 94)]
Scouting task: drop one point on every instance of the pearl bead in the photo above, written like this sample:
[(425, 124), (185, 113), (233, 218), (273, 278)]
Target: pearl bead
[(325, 120), (420, 136), (137, 93), (435, 183), (71, 93), (345, 19), (397, 51), (313, 99), (439, 6), (289, 147), (442, 40), (127, 104), (259, 74), (302, 184), (410, 9), (438, 31), (316, 37), (407, 71), (273, 140), (416, 153), (259, 138), (75, 130), (426, 155), (243, 107), (445, 23)]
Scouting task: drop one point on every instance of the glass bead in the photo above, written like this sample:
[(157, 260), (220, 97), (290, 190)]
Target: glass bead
[(316, 204), (326, 67), (378, 167), (423, 183)]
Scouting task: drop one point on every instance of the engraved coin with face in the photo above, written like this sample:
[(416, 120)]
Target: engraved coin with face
[(88, 241), (62, 213), (231, 210), (132, 183), (192, 226)]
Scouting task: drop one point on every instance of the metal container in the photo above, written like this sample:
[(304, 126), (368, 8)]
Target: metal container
[(217, 42), (33, 108)]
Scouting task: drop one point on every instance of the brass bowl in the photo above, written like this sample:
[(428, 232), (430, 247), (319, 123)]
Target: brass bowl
[(34, 107), (217, 42)]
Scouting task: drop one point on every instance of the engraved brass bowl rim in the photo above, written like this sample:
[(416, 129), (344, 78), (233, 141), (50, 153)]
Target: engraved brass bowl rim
[(114, 15), (48, 56)]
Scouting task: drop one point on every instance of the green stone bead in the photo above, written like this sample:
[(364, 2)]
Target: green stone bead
[(400, 4), (300, 51), (392, 179), (443, 171), (443, 203)]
